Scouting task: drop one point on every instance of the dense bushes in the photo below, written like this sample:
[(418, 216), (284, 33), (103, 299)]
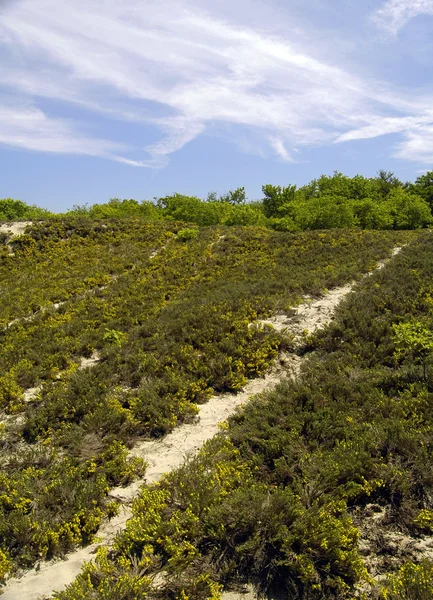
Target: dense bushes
[(412, 582), (329, 202), (166, 318), (273, 498), (12, 210), (326, 203), (339, 201)]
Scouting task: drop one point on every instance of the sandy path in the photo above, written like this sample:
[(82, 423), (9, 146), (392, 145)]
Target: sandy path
[(167, 454), (246, 594)]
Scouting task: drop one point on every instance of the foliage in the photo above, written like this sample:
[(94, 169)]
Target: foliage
[(187, 234), (276, 197), (113, 336), (339, 201), (169, 323), (5, 565), (270, 500), (336, 201), (412, 582), (230, 209), (13, 210), (297, 463), (423, 186), (415, 340)]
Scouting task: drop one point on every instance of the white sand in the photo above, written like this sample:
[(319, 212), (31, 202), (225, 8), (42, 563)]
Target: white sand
[(85, 363), (167, 454), (246, 594), (15, 228)]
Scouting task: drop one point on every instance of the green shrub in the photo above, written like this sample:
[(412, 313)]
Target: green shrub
[(187, 234)]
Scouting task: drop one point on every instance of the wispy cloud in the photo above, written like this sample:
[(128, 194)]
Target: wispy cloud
[(184, 71), (416, 132), (417, 146), (279, 147), (386, 125), (396, 13), (29, 128)]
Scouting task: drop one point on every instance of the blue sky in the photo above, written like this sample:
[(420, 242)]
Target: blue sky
[(142, 98)]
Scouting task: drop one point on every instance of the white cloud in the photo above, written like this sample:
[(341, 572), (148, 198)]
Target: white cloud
[(386, 125), (184, 71), (278, 145), (417, 133), (29, 128), (417, 146), (394, 15)]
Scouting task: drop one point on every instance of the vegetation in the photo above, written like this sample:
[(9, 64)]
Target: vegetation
[(337, 201), (166, 311), (280, 498), (13, 210), (117, 320)]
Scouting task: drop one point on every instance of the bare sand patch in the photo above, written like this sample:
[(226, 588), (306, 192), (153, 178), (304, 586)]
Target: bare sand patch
[(245, 594), (15, 228), (93, 360)]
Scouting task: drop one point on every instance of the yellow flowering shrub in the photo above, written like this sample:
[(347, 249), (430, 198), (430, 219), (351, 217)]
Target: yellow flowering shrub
[(5, 565), (412, 582)]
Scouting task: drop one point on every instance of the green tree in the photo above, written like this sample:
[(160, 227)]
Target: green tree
[(325, 212), (371, 214), (409, 211), (337, 184), (276, 197), (237, 196), (11, 210), (191, 208), (387, 181), (423, 186)]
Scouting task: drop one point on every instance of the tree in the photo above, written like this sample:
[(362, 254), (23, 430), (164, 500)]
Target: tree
[(337, 184), (423, 186), (11, 209), (237, 196), (387, 181), (324, 212), (409, 211), (371, 214), (275, 197), (192, 209)]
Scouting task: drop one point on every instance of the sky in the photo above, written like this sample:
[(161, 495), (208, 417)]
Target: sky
[(144, 98)]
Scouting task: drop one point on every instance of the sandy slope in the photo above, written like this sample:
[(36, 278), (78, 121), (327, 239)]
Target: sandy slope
[(168, 453), (12, 230), (15, 227)]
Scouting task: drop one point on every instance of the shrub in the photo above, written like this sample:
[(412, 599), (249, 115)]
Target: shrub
[(187, 234), (412, 582)]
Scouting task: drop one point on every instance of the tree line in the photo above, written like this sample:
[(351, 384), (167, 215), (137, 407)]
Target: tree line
[(329, 202)]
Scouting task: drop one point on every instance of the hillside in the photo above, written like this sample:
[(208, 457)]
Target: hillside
[(117, 332)]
